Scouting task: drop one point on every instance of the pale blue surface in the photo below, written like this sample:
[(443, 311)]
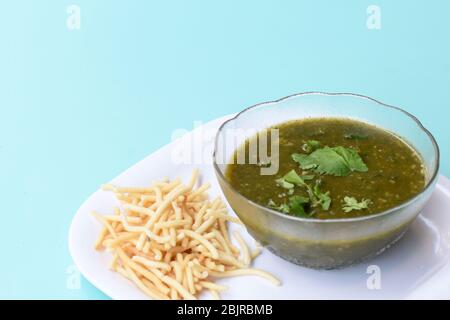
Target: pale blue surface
[(79, 107)]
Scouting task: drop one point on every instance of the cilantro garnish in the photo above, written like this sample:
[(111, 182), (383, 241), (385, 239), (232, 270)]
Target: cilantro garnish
[(297, 206), (284, 184), (353, 204), (337, 161), (321, 198), (282, 207), (315, 196), (293, 178)]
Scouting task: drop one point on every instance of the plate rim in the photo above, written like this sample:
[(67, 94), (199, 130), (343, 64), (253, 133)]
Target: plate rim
[(443, 184)]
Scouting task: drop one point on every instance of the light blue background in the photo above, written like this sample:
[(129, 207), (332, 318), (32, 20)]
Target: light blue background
[(79, 107)]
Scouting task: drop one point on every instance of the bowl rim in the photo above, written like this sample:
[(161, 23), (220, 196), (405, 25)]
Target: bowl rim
[(333, 220)]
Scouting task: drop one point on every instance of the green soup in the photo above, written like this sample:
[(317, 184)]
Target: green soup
[(331, 168)]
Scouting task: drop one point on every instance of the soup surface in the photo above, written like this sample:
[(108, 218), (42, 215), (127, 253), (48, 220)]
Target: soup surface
[(332, 168)]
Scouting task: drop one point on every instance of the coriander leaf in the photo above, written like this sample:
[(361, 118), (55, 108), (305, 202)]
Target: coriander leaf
[(282, 207), (317, 197), (294, 178), (323, 199), (310, 146), (284, 184), (354, 161), (353, 204), (338, 161), (304, 160), (299, 199), (271, 203), (324, 161), (296, 206)]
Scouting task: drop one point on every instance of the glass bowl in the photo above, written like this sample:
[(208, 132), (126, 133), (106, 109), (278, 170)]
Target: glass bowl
[(329, 243)]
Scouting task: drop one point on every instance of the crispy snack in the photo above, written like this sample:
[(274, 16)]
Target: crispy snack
[(171, 241)]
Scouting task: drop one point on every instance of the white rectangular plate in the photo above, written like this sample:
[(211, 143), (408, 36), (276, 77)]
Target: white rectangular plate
[(416, 267)]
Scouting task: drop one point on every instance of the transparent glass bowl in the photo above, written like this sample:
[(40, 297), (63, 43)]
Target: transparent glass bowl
[(331, 243)]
